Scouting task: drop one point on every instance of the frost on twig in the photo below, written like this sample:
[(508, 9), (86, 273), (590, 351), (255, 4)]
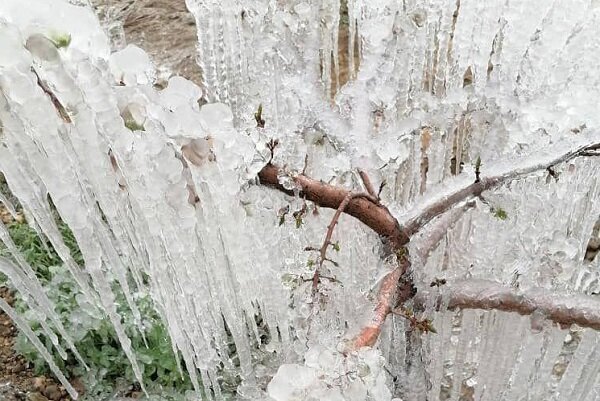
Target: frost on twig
[(396, 288), (327, 242), (563, 309), (423, 214)]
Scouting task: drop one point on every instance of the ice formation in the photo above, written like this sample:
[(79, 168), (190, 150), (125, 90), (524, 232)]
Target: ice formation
[(154, 185)]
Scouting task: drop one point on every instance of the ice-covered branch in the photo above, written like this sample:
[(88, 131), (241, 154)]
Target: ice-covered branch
[(378, 217), (564, 309), (439, 228), (364, 208), (330, 228), (423, 213), (389, 294), (394, 289)]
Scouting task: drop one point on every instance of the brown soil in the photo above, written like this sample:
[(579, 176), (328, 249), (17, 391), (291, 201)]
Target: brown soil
[(163, 28), (17, 379)]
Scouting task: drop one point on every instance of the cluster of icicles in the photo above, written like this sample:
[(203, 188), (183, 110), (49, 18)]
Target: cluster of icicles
[(154, 185)]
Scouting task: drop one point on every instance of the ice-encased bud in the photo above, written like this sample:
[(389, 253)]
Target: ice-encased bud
[(43, 48), (199, 151), (180, 92), (132, 66), (50, 18), (216, 116)]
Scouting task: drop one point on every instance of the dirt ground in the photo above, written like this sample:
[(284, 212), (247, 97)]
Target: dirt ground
[(18, 381), (163, 28)]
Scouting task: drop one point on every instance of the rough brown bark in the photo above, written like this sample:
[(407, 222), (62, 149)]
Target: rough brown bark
[(395, 288), (375, 216), (564, 309)]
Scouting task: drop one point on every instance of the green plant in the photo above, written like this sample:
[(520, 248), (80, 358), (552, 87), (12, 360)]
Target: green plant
[(133, 125), (92, 332), (61, 40), (40, 257), (500, 213)]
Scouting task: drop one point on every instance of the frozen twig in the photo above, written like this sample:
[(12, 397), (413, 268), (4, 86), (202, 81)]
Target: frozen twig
[(523, 167), (367, 209), (439, 229), (330, 228), (367, 183), (390, 294), (564, 309)]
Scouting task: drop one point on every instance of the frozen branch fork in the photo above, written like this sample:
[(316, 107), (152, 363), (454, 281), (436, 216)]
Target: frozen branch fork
[(396, 287), (473, 126)]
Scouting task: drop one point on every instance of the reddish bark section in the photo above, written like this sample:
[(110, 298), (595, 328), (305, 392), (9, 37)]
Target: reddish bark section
[(375, 216)]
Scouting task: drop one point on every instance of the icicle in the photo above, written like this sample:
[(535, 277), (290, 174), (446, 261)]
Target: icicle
[(576, 374), (22, 325), (29, 286), (9, 206)]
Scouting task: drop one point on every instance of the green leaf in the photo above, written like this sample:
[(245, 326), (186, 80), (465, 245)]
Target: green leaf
[(61, 40), (500, 213), (133, 125)]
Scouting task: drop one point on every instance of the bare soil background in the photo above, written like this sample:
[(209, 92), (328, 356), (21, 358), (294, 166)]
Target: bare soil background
[(163, 28)]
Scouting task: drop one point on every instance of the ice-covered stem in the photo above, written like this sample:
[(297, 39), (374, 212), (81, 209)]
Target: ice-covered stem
[(439, 229), (370, 332), (482, 183), (330, 228), (367, 182), (564, 309), (373, 214), (393, 290)]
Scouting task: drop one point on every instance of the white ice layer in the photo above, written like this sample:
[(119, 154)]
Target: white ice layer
[(154, 185)]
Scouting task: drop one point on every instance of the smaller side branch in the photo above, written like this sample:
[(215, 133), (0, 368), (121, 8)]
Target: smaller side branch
[(564, 309), (330, 228), (60, 109), (368, 185), (392, 291), (425, 214), (439, 230)]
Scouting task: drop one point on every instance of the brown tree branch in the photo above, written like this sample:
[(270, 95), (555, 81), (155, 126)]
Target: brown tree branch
[(424, 215), (564, 309), (390, 293), (330, 228), (367, 182), (373, 214), (395, 288)]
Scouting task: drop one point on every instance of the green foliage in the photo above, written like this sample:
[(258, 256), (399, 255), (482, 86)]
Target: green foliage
[(500, 213), (99, 346), (282, 213), (61, 40), (92, 332), (299, 215), (40, 257), (133, 125), (336, 246), (260, 122)]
